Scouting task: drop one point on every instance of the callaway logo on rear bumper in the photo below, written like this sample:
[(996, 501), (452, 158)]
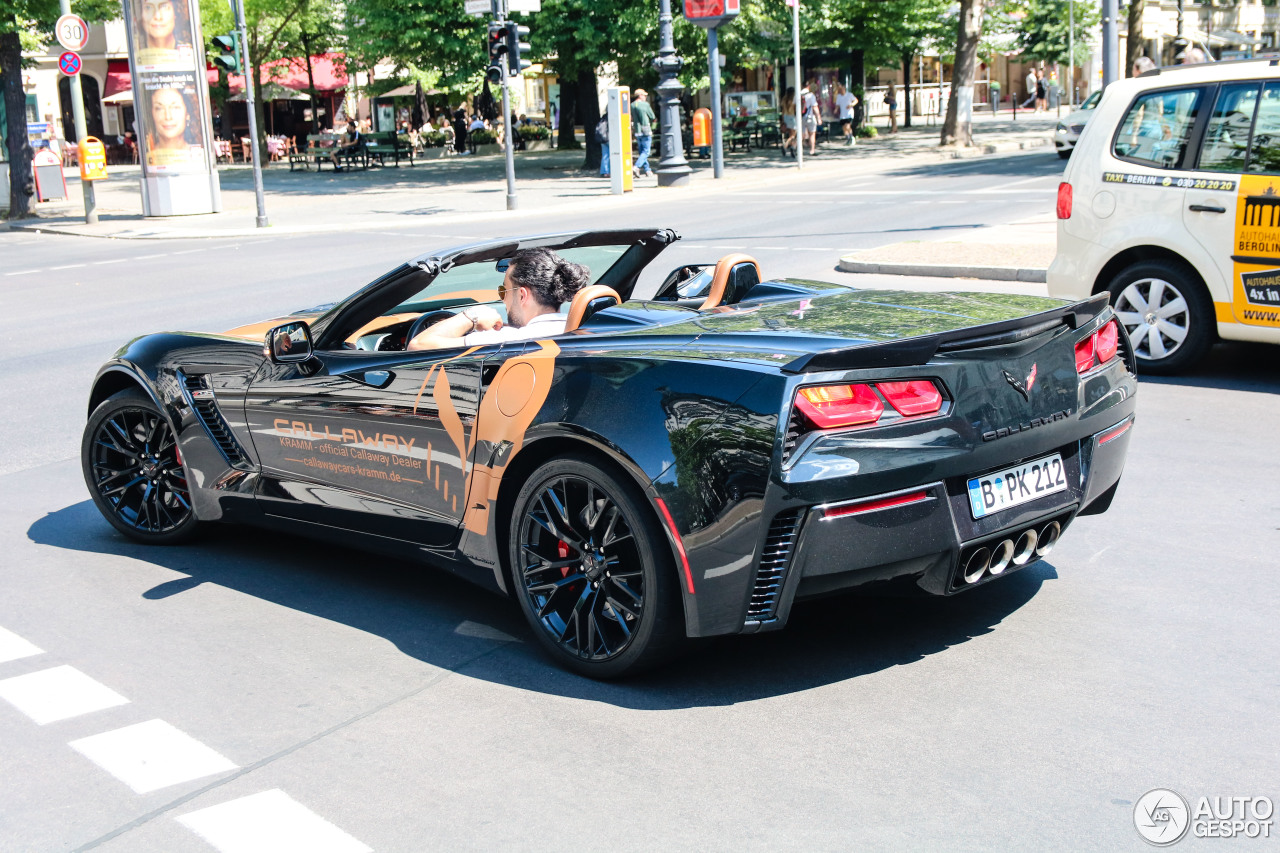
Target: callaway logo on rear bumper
[(1005, 432)]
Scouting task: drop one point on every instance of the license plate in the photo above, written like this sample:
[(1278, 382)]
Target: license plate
[(1009, 487)]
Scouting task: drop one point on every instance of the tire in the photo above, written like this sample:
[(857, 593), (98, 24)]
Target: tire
[(592, 570), (129, 456), (1064, 153), (1179, 330)]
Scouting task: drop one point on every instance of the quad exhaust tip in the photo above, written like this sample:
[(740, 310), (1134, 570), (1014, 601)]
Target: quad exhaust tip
[(1015, 551), (1048, 538)]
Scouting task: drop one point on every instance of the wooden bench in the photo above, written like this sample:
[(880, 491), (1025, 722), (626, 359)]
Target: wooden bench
[(388, 144), (738, 133)]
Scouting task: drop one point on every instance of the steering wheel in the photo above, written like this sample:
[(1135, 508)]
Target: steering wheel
[(419, 325)]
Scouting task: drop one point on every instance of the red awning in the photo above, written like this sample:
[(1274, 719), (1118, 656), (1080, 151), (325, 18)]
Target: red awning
[(329, 71), (117, 77)]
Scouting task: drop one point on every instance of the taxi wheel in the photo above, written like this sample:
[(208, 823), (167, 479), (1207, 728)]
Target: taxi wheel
[(1167, 313)]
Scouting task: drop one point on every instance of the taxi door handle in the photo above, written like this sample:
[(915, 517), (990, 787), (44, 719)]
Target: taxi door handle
[(1207, 208)]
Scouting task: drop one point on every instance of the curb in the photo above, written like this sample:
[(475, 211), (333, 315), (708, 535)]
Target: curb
[(1025, 274)]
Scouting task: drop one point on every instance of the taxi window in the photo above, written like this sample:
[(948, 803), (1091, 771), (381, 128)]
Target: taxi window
[(1226, 141), (1264, 151), (1157, 128)]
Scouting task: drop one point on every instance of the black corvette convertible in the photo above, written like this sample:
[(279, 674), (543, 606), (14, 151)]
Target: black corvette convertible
[(686, 464)]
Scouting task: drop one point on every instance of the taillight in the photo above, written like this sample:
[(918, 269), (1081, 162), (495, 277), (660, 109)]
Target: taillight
[(1107, 342), (917, 397), (1084, 355), (830, 406), (1064, 200), (846, 405), (1099, 348)]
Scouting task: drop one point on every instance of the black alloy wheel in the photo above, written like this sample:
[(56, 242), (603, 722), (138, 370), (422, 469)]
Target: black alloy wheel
[(592, 570), (133, 469)]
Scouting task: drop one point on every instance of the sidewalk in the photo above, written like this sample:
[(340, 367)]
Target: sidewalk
[(1024, 249), (475, 187)]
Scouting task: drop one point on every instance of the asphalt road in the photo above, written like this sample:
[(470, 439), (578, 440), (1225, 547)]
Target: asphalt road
[(259, 684)]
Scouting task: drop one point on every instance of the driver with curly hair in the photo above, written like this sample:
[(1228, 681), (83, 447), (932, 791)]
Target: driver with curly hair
[(537, 283)]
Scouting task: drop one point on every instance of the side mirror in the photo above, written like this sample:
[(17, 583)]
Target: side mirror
[(502, 265), (289, 343)]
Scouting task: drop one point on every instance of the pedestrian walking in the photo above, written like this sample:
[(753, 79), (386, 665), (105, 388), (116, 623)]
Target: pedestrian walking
[(642, 120), (1042, 92), (602, 136), (789, 122), (810, 115), (845, 102), (1031, 89), (891, 101)]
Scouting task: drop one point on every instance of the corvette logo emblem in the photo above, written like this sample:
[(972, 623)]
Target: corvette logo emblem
[(1023, 388)]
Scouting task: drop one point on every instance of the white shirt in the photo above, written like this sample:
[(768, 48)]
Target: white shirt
[(845, 103), (542, 326)]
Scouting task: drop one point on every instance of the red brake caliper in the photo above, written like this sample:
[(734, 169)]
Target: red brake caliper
[(563, 551)]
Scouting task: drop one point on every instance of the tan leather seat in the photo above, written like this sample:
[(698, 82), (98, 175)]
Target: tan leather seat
[(589, 300), (725, 276)]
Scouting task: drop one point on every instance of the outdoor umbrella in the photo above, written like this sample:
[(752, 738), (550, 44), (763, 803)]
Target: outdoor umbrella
[(419, 114), (272, 91)]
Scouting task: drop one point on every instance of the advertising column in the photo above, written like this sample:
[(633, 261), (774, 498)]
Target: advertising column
[(171, 103)]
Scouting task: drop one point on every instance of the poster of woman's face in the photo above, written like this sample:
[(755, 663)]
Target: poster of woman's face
[(175, 134), (162, 34)]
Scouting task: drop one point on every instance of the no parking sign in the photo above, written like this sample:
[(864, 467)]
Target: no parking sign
[(69, 63)]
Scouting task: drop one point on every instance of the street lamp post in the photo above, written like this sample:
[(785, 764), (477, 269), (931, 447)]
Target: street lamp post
[(673, 169)]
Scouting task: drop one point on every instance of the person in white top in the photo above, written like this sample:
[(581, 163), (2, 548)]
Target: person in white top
[(537, 283), (845, 102)]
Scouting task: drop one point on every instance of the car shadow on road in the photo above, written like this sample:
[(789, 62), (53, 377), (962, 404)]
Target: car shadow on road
[(444, 621), (1230, 366)]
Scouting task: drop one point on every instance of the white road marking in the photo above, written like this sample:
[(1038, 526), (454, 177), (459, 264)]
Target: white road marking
[(24, 272), (268, 823), (58, 694), (13, 647), (149, 257), (151, 755), (1019, 183), (112, 261), (67, 267), (483, 632), (813, 249)]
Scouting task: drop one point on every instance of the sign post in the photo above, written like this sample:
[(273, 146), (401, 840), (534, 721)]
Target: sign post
[(710, 14), (72, 34), (619, 108)]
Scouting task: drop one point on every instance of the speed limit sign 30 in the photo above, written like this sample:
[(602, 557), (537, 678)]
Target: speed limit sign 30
[(72, 32)]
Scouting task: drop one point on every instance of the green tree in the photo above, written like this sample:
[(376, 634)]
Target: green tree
[(275, 29), (418, 34), (28, 25), (1045, 29)]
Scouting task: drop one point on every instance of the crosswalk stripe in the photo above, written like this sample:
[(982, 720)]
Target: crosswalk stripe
[(56, 694), (152, 755), (13, 647), (268, 823)]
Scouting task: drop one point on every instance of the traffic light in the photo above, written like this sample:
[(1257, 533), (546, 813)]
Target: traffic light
[(516, 32), (229, 55), (497, 47)]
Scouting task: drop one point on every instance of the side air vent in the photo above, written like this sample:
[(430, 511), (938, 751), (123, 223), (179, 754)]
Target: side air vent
[(206, 408), (774, 561), (794, 431)]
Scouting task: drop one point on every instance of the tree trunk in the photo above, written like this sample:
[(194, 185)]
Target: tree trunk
[(906, 90), (958, 127), (858, 83), (589, 110), (1134, 42), (15, 103), (568, 115), (311, 87)]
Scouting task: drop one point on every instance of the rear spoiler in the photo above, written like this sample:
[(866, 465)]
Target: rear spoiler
[(917, 351)]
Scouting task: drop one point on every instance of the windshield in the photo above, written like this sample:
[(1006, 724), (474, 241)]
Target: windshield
[(1092, 101), (478, 282)]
